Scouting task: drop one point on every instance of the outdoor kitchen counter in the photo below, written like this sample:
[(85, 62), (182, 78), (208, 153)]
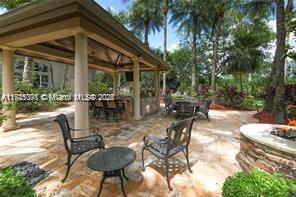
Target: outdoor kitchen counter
[(149, 105)]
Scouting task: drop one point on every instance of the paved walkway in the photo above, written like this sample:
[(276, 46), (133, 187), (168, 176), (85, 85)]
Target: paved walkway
[(26, 120), (212, 156)]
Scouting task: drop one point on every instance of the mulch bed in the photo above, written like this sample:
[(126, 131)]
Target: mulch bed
[(267, 117), (220, 107)]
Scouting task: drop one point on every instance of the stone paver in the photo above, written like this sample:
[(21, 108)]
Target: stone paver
[(212, 156)]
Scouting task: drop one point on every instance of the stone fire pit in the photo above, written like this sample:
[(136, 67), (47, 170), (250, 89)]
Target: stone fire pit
[(261, 149)]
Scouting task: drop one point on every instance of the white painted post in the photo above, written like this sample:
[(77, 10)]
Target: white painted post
[(157, 87), (8, 88), (136, 90), (81, 83)]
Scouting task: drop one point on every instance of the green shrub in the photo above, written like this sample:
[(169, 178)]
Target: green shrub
[(230, 97), (248, 102), (97, 87), (37, 105), (12, 184), (203, 92), (258, 184), (291, 112), (3, 109)]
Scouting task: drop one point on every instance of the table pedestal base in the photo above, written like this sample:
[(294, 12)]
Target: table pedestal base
[(117, 173)]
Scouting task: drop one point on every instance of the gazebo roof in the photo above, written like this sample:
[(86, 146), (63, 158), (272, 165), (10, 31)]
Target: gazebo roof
[(46, 29)]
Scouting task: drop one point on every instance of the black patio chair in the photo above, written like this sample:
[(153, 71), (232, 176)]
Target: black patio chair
[(184, 110), (99, 109), (177, 140), (112, 110), (91, 107), (205, 108), (120, 106), (169, 105), (77, 146)]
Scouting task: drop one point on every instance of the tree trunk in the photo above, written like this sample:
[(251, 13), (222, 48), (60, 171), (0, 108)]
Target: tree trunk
[(51, 76), (289, 9), (146, 31), (249, 84), (193, 76), (165, 14), (28, 70), (269, 101), (215, 58), (241, 81), (270, 89), (65, 76), (279, 99)]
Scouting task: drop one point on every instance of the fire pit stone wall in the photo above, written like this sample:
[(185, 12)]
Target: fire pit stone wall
[(260, 149)]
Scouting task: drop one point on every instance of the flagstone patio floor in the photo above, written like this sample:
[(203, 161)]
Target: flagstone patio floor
[(212, 156)]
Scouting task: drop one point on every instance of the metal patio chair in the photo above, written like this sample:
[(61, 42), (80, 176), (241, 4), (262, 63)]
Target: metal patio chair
[(77, 146), (112, 110), (184, 110), (99, 109), (120, 106), (169, 105), (177, 140), (205, 108)]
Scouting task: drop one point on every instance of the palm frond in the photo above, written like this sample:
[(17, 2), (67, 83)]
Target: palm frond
[(12, 4)]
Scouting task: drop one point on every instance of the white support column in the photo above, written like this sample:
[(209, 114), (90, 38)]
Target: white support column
[(81, 83), (136, 90), (157, 86), (8, 88), (116, 83)]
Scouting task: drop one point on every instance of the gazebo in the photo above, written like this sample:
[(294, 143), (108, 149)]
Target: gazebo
[(75, 32)]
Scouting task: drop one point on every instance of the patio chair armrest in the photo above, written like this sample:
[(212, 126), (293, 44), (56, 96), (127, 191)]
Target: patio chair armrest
[(167, 131), (93, 129), (89, 138), (152, 138), (83, 129)]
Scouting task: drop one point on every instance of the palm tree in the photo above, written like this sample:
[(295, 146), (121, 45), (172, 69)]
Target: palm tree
[(277, 77), (165, 5), (245, 54), (279, 99), (12, 4), (186, 14), (121, 16), (28, 63), (220, 7), (145, 16)]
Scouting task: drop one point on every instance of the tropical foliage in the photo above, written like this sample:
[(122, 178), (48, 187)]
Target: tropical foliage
[(258, 183), (40, 104), (224, 44), (145, 17), (12, 184)]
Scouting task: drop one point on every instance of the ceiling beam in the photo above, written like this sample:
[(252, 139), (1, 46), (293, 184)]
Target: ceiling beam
[(53, 31), (62, 56)]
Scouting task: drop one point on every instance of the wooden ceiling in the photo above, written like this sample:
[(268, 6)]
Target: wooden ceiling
[(97, 53), (45, 29)]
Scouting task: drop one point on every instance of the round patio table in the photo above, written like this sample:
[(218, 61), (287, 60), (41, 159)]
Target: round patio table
[(112, 161)]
